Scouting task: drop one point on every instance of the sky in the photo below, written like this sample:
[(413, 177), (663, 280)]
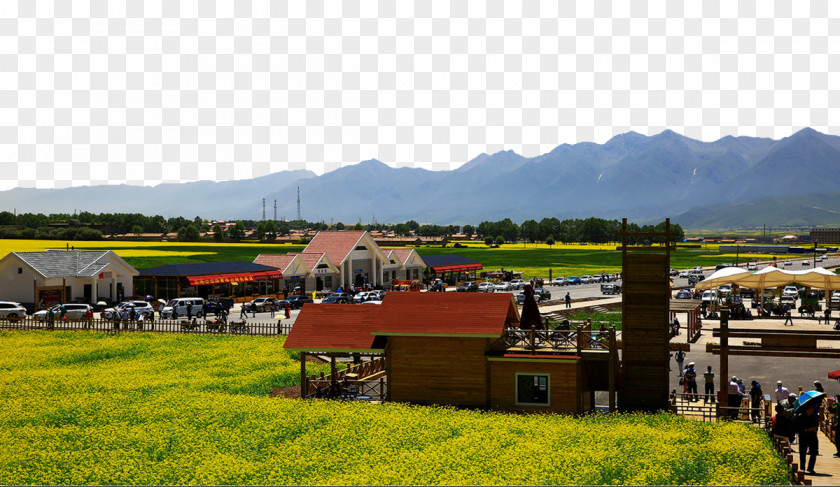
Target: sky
[(144, 92)]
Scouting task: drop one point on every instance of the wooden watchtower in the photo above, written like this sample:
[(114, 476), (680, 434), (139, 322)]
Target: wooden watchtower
[(644, 318)]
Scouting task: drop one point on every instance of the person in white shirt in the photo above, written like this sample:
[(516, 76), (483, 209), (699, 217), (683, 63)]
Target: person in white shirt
[(781, 392)]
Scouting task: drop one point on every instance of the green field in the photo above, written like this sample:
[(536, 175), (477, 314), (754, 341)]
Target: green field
[(84, 408)]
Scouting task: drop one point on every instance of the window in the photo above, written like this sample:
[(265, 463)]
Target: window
[(20, 270), (361, 247), (532, 389)]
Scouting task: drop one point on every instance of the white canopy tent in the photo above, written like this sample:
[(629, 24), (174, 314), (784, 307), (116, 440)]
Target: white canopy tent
[(819, 278)]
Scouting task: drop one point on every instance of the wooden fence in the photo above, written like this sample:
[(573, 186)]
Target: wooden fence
[(364, 380), (236, 327)]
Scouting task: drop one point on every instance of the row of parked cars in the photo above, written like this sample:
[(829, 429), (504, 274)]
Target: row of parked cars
[(563, 281)]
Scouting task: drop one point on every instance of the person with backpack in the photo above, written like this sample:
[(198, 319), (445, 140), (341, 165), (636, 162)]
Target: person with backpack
[(807, 425), (755, 401), (680, 358)]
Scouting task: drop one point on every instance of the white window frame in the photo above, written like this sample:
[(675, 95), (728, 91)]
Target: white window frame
[(532, 374)]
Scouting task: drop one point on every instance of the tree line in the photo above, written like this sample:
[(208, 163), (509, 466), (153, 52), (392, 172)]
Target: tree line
[(90, 226)]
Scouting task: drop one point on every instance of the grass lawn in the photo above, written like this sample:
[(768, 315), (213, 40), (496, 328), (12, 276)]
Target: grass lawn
[(85, 408)]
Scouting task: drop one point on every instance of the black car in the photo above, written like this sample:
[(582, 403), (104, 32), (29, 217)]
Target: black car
[(297, 301), (338, 298), (468, 287)]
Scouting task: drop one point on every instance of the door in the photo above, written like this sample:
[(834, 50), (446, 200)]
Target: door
[(319, 284), (88, 293)]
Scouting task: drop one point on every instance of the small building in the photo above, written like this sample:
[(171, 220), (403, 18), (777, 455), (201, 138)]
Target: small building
[(460, 349), (309, 270), (232, 279), (41, 279), (403, 265), (451, 267)]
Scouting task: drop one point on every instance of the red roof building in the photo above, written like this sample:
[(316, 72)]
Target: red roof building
[(453, 349)]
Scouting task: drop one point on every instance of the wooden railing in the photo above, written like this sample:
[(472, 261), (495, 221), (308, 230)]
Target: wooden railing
[(238, 327), (366, 379), (797, 475), (577, 340)]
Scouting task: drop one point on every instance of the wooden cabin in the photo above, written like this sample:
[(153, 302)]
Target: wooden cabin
[(459, 349)]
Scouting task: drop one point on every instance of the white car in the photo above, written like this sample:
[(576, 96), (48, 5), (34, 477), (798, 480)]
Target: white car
[(684, 274), (806, 262), (518, 284), (362, 297), (790, 291), (697, 268), (752, 266), (504, 286), (559, 281), (819, 258), (585, 279), (486, 287), (11, 309), (787, 263), (725, 290), (74, 312), (835, 296), (141, 308)]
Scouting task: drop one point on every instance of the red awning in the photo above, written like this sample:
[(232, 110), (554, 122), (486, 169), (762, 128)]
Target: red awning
[(457, 268), (233, 277)]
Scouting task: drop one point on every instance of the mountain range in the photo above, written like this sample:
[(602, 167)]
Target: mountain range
[(733, 181)]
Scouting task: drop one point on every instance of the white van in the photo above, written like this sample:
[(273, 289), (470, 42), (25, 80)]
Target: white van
[(177, 308), (752, 266), (709, 296)]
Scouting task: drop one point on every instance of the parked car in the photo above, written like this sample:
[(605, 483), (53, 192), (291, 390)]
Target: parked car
[(820, 258), (178, 307), (683, 295), (695, 278), (788, 301), (520, 298), (75, 311), (574, 280), (790, 291), (486, 287), (559, 281), (673, 272), (542, 294), (338, 298), (787, 263), (141, 308), (709, 295), (504, 286), (517, 283), (467, 287), (610, 288), (725, 290), (297, 301), (585, 279), (11, 309), (752, 266), (684, 274), (697, 268), (806, 262), (362, 297), (260, 304)]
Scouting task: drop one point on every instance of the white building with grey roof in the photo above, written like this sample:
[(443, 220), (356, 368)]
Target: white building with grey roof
[(41, 278)]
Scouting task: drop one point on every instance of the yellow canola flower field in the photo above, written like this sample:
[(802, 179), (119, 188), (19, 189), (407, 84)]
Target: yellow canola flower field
[(89, 408), (123, 248)]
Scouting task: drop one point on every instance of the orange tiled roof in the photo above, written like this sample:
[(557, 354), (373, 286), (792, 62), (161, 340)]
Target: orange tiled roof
[(326, 327), (278, 261), (445, 313), (336, 244)]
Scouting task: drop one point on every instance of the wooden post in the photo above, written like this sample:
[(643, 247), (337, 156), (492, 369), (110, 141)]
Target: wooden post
[(303, 387), (723, 398), (613, 354)]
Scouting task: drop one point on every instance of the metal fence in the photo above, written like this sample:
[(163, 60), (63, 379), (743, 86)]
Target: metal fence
[(203, 326)]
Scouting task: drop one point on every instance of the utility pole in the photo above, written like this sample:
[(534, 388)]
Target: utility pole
[(263, 218), (298, 202), (275, 211)]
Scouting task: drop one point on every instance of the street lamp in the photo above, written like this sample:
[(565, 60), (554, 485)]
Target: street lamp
[(815, 255)]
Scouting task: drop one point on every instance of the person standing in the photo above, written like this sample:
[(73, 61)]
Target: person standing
[(782, 392), (243, 312), (271, 309), (680, 358), (568, 299), (709, 388), (690, 377), (288, 311), (733, 398), (755, 401), (834, 409), (788, 406), (788, 318), (807, 424), (189, 311), (818, 387)]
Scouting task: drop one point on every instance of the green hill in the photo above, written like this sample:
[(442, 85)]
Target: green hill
[(816, 209)]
